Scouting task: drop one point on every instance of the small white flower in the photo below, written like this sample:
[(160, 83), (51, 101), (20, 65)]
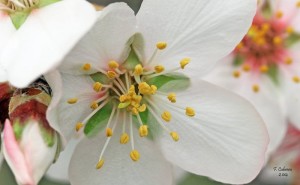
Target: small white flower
[(36, 35), (123, 85), (265, 67)]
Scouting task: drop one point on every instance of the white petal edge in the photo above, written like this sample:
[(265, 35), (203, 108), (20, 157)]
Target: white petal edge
[(118, 168), (108, 40), (47, 35), (227, 136), (205, 31)]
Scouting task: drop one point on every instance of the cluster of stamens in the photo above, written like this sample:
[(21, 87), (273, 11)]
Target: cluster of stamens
[(17, 5), (264, 47), (132, 95)]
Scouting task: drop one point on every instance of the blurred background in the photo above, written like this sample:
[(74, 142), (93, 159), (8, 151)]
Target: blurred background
[(6, 177)]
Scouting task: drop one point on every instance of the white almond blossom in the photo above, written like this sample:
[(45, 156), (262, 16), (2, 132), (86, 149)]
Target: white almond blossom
[(123, 87), (265, 67), (36, 35)]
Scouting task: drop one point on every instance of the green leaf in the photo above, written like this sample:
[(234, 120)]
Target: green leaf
[(100, 77), (18, 18), (97, 122), (132, 60), (170, 82), (292, 39), (238, 60), (43, 3), (273, 74)]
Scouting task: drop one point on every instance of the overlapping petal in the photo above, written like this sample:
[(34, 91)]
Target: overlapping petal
[(118, 168), (47, 35), (108, 40), (204, 31), (226, 134)]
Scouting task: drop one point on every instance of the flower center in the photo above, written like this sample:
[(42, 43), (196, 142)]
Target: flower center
[(17, 5), (131, 93)]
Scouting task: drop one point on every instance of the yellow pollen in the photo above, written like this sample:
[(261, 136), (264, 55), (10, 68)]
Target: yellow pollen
[(277, 40), (174, 136), (142, 108), (298, 4), (279, 14), (134, 111), (166, 116), (146, 89), (236, 74), (264, 68), (159, 69), (184, 62), (86, 67), (266, 27), (189, 111), (143, 130), (290, 30), (288, 61), (135, 155), (113, 64), (255, 88), (97, 86), (172, 97), (138, 70), (161, 45), (111, 74), (109, 132), (246, 67), (94, 105), (100, 164), (296, 79), (79, 126), (72, 100), (124, 138)]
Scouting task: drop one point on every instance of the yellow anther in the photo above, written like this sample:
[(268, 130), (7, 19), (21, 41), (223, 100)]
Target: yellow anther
[(109, 132), (255, 88), (159, 68), (264, 68), (100, 164), (161, 45), (124, 138), (166, 116), (172, 97), (189, 111), (266, 27), (113, 64), (145, 88), (97, 86), (134, 155), (138, 70), (123, 98), (288, 61), (277, 40), (290, 30), (79, 126), (246, 67), (72, 100), (111, 74), (279, 14), (174, 136), (240, 45), (94, 105), (298, 4), (296, 79), (142, 108), (86, 67), (153, 89), (184, 62), (143, 130), (236, 74), (134, 111)]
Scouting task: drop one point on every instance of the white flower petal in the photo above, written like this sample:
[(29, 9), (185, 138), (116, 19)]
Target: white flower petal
[(108, 40), (204, 31), (226, 136), (65, 116), (47, 35), (266, 101), (118, 168)]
